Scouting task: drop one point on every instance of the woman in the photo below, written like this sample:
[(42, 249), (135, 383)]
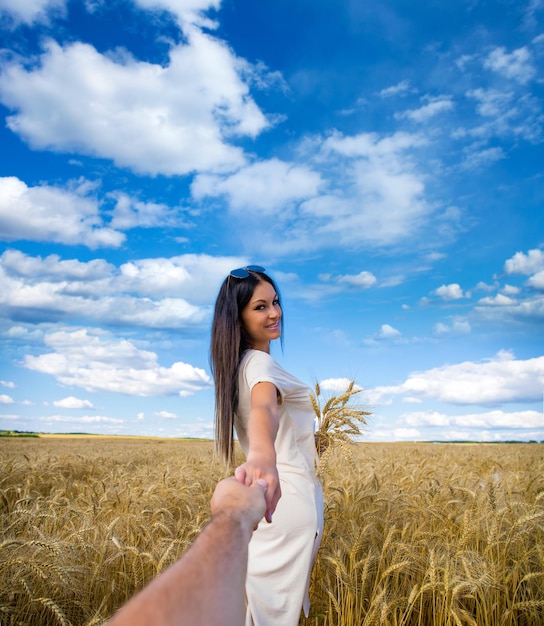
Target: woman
[(274, 421)]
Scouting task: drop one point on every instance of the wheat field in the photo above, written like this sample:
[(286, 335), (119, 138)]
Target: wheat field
[(415, 534)]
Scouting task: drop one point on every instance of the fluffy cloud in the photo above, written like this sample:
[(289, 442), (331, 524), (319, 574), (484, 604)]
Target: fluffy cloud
[(73, 403), (490, 420), (537, 281), (351, 191), (395, 90), (166, 415), (522, 263), (386, 333), (477, 158), (52, 214), (363, 280), (375, 193), (513, 304), (505, 309), (267, 186), (84, 420), (498, 300), (159, 293), (336, 385), (432, 108), (505, 112), (502, 379), (152, 119), (96, 361), (457, 327), (130, 212), (516, 65), (450, 292)]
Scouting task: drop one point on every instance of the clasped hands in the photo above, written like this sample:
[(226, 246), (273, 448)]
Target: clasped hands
[(260, 469)]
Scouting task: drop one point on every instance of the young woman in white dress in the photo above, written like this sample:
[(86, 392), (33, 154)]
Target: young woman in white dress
[(272, 414)]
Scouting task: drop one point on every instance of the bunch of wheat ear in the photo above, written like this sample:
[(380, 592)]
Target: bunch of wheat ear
[(336, 423)]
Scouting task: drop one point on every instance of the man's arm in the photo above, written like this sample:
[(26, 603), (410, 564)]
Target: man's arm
[(206, 586)]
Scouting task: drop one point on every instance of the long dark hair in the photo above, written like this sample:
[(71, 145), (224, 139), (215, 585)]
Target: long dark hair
[(229, 341)]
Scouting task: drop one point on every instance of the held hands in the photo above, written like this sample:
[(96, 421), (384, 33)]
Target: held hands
[(232, 498), (256, 469)]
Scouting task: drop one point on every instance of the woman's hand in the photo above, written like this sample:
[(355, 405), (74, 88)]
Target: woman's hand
[(261, 457)]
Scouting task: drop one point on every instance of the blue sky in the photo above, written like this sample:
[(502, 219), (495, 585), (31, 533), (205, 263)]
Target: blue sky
[(383, 160)]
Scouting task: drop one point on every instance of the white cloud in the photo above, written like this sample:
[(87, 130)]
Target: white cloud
[(511, 290), (498, 300), (408, 434), (537, 281), (166, 415), (481, 286), (492, 102), (73, 403), (52, 214), (501, 419), (450, 292), (5, 399), (375, 194), (352, 191), (426, 418), (336, 385), (457, 327), (7, 383), (477, 158), (529, 263), (28, 11), (515, 65), (267, 186), (491, 419), (424, 113), (152, 119), (505, 113), (96, 361), (395, 90), (53, 268), (387, 332), (502, 379), (85, 419), (363, 279), (502, 309), (130, 212), (160, 293)]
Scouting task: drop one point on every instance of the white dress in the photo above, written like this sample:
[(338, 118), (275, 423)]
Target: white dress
[(281, 554)]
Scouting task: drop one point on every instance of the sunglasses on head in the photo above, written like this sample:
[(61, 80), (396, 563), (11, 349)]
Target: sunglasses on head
[(243, 272)]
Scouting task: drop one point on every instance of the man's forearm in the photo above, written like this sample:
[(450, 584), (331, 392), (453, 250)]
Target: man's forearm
[(205, 587)]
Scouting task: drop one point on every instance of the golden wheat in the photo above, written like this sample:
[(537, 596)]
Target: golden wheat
[(337, 422), (415, 534)]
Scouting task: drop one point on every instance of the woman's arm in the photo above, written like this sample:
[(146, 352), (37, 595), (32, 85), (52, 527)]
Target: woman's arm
[(262, 429)]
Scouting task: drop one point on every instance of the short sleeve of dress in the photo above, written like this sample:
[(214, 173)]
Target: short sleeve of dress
[(260, 367)]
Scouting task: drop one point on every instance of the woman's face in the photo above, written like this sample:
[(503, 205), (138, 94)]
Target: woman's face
[(261, 316)]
